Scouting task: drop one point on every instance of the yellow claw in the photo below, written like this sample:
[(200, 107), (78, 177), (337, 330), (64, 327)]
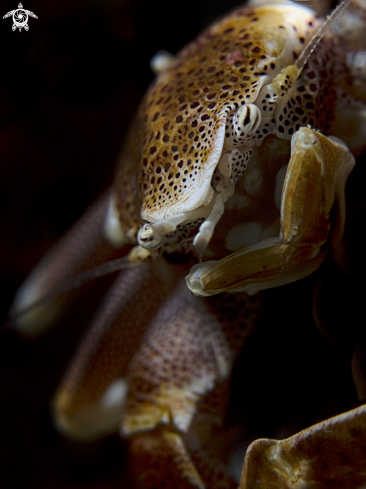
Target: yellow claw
[(312, 211)]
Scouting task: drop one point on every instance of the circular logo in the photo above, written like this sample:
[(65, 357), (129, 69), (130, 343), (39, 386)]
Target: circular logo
[(20, 18)]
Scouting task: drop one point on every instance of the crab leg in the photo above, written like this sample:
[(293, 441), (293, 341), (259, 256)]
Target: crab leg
[(328, 454), (173, 384), (183, 445), (83, 247), (314, 184), (163, 453), (182, 333), (89, 400)]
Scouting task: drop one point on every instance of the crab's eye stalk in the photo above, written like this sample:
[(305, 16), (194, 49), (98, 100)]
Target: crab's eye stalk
[(248, 118), (153, 235), (147, 239)]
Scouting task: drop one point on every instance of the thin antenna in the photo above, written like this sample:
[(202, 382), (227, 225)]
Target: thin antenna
[(312, 44), (73, 283)]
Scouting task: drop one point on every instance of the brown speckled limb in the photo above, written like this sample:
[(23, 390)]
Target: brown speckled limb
[(331, 454)]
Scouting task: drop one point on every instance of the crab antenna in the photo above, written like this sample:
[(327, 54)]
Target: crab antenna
[(73, 283), (312, 44)]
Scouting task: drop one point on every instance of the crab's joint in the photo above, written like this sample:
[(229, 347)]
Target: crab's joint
[(207, 228), (139, 255), (314, 184)]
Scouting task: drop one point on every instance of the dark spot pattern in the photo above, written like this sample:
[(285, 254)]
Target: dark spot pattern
[(177, 123), (311, 100), (214, 75)]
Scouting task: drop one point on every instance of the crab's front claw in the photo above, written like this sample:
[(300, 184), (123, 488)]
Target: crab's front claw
[(268, 264), (312, 210)]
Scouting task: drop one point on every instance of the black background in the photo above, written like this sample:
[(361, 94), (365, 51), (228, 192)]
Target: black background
[(68, 90)]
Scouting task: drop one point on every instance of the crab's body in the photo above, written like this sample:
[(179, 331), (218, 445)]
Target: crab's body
[(258, 75), (207, 113), (247, 111)]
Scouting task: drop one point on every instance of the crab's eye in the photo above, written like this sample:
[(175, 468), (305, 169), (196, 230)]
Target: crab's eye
[(145, 234), (249, 118)]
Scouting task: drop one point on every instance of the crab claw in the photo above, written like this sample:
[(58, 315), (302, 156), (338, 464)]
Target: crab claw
[(314, 185), (328, 454)]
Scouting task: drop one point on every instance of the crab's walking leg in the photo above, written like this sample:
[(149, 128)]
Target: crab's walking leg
[(314, 185), (328, 454), (172, 381), (89, 401), (167, 462), (183, 354), (177, 391), (163, 453)]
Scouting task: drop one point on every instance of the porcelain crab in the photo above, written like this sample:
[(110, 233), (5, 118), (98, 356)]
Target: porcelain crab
[(214, 133)]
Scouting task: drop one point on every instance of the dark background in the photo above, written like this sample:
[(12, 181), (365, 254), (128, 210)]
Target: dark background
[(68, 90)]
